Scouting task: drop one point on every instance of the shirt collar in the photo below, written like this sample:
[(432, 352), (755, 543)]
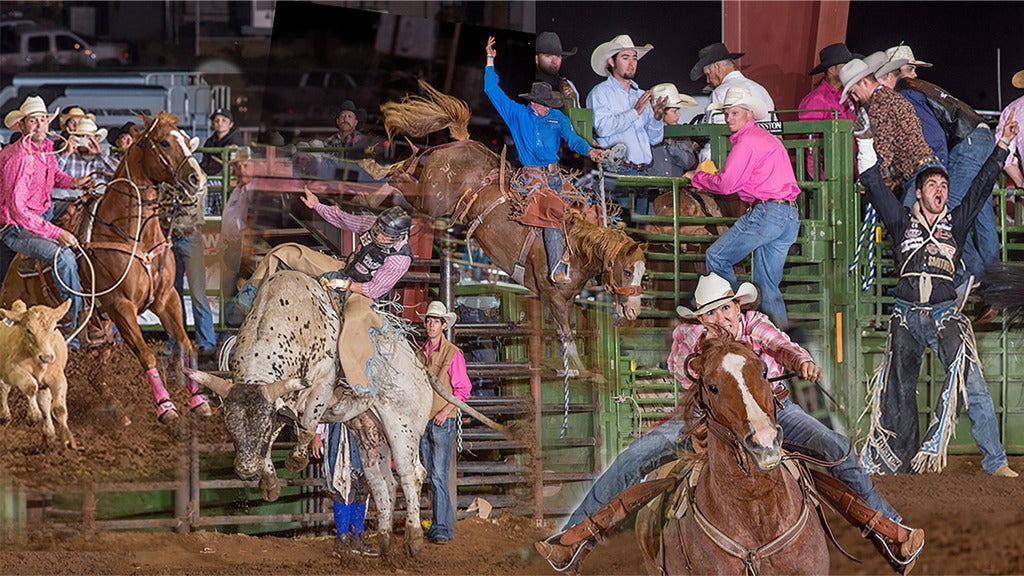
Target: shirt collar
[(746, 127)]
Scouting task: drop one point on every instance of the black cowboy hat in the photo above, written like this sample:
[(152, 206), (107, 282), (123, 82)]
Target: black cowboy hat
[(550, 43), (709, 55), (831, 55), (351, 107), (116, 133), (542, 94)]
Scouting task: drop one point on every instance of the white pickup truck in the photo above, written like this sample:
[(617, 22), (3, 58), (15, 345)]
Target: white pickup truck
[(27, 46)]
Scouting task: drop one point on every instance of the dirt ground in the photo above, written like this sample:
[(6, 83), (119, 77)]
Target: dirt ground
[(974, 523)]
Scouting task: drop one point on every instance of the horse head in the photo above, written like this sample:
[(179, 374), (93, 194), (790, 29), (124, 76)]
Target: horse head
[(166, 155), (736, 398), (621, 259)]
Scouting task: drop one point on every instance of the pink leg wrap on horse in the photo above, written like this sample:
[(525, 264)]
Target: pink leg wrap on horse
[(160, 394), (198, 399)]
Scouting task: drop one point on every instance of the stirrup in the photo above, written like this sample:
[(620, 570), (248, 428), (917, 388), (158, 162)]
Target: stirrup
[(900, 565), (585, 546), (166, 411)]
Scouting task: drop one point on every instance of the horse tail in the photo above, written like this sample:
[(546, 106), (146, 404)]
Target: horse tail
[(418, 116), (224, 358), (1002, 287)]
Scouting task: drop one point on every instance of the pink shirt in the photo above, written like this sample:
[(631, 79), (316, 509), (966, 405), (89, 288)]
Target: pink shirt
[(757, 168), (461, 386), (394, 267), (825, 97), (1017, 145), (28, 174)]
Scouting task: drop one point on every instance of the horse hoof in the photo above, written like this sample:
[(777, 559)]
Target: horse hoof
[(200, 405), (166, 413), (296, 462)]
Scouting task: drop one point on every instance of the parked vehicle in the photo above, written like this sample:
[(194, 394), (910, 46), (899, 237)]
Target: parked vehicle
[(26, 46)]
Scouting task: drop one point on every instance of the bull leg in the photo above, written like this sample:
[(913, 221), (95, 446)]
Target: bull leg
[(373, 471), (123, 313), (298, 457), (405, 452), (45, 402), (316, 405), (270, 486)]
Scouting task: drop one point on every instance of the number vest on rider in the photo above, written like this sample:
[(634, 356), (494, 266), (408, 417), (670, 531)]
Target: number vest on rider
[(438, 364), (927, 258), (364, 264)]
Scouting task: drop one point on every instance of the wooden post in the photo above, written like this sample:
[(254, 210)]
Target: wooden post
[(536, 344)]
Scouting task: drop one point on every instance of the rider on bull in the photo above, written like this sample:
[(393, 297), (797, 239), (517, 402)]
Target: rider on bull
[(538, 130), (611, 499)]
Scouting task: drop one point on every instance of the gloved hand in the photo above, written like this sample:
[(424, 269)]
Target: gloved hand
[(866, 156), (335, 283)]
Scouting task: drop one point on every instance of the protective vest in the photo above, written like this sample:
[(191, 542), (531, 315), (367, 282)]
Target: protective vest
[(363, 264), (927, 255), (438, 365), (957, 119)]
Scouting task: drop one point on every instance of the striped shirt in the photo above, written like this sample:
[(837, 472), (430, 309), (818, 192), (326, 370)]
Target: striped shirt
[(394, 267)]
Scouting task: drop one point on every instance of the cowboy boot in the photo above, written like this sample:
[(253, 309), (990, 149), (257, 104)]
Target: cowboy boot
[(564, 558), (902, 556)]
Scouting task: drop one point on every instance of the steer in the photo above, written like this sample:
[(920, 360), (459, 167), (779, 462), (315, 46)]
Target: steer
[(33, 355), (284, 363)]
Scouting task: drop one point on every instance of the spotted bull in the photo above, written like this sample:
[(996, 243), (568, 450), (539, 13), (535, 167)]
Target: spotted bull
[(284, 362)]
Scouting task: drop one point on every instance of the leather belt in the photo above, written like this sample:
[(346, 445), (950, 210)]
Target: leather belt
[(637, 167), (774, 201), (552, 168)]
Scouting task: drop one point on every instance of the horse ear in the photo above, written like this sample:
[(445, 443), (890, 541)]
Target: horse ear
[(193, 144), (694, 367)]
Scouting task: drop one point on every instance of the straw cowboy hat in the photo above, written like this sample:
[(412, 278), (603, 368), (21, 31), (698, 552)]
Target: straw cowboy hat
[(831, 55), (712, 292), (87, 127), (599, 59), (904, 51), (542, 94), (437, 309), (32, 106), (740, 96), (675, 99), (73, 112), (709, 55), (855, 70), (550, 43)]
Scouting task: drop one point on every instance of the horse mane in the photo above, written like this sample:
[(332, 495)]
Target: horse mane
[(147, 122), (418, 116), (592, 242)]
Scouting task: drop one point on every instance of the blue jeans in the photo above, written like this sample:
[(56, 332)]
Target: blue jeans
[(622, 196), (436, 448), (910, 185), (965, 161), (767, 230), (941, 330), (232, 262), (34, 246), (348, 518), (188, 259)]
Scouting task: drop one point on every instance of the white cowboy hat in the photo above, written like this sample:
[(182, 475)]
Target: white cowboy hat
[(904, 51), (32, 106), (675, 99), (87, 127), (891, 64), (740, 96), (855, 70), (437, 309), (603, 52), (714, 291)]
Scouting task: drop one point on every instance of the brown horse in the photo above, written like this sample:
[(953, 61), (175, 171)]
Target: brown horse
[(743, 514), (134, 270), (467, 183)]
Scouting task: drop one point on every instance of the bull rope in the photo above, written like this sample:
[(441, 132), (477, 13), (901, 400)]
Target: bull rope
[(565, 388), (867, 234)]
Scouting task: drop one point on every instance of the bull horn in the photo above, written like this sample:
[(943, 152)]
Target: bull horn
[(220, 386), (275, 390)]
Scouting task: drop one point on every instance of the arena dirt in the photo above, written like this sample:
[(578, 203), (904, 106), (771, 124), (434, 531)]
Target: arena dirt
[(973, 522)]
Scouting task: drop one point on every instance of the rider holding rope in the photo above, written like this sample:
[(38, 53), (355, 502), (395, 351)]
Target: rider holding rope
[(718, 305), (28, 173)]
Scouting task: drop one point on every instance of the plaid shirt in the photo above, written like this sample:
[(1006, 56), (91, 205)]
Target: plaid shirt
[(100, 166), (899, 141), (771, 344)]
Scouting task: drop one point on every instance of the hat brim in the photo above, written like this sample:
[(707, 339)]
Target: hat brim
[(846, 89), (759, 109), (891, 66), (450, 318), (555, 102), (826, 65), (746, 294), (100, 134), (15, 116), (605, 51), (698, 69)]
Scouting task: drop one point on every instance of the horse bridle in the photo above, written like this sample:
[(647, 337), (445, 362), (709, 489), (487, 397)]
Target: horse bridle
[(609, 282), (175, 172)]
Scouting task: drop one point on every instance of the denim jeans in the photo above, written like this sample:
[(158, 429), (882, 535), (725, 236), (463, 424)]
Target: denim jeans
[(231, 257), (32, 245), (910, 185), (621, 196), (941, 330), (805, 434), (965, 161), (767, 230), (188, 259), (436, 447), (348, 518)]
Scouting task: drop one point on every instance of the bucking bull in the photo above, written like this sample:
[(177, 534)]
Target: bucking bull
[(284, 367)]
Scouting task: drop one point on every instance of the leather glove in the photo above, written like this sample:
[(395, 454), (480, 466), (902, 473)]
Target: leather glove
[(335, 283)]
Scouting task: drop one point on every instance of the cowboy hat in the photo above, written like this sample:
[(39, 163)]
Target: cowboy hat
[(740, 96), (855, 70), (73, 112), (437, 309), (675, 99), (351, 107), (712, 292), (891, 65), (904, 51), (550, 43), (831, 55), (116, 133), (709, 55), (32, 106), (87, 127), (542, 94), (599, 59)]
